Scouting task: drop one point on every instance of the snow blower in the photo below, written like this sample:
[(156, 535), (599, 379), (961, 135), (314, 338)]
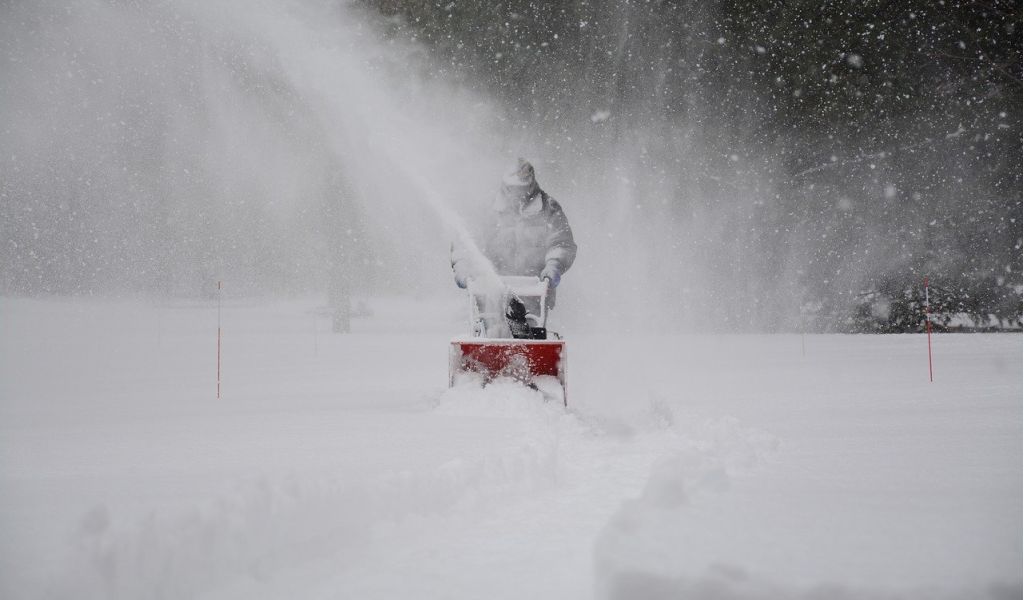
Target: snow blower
[(509, 338)]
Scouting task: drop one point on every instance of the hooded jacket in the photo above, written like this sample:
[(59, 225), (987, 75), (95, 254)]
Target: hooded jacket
[(523, 237), (520, 238)]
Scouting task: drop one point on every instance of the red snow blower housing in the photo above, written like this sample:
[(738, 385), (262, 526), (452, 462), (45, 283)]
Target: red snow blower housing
[(509, 338)]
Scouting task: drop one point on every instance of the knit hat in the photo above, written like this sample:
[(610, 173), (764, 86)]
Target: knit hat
[(520, 182)]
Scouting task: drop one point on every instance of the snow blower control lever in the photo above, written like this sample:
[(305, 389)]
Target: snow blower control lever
[(519, 324)]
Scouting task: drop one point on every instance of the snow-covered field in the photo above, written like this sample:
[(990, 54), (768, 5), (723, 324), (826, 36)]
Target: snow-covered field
[(340, 466)]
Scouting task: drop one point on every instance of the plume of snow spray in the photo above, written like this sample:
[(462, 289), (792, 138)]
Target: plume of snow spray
[(415, 149)]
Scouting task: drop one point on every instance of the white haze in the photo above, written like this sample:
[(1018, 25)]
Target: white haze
[(162, 147)]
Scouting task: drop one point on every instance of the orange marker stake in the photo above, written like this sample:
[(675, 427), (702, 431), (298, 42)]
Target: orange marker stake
[(219, 294), (928, 328)]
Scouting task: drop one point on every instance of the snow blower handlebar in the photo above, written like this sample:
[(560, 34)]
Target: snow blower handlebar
[(487, 306), (530, 287)]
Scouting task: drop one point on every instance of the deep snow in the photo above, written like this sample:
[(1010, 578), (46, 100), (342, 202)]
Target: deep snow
[(339, 465)]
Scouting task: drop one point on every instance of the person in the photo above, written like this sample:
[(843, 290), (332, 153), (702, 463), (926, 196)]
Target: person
[(527, 233)]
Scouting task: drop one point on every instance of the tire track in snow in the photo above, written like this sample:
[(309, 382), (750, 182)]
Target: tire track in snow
[(542, 543)]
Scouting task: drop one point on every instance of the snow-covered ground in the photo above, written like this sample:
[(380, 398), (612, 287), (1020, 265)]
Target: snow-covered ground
[(340, 466)]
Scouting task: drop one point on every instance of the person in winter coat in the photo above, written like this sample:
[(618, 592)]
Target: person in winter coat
[(527, 234)]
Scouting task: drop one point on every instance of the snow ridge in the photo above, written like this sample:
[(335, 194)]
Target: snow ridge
[(635, 558), (259, 529)]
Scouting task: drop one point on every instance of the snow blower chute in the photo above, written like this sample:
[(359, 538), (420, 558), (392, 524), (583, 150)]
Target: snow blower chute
[(509, 338)]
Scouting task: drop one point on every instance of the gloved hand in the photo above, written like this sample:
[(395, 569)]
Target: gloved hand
[(552, 272)]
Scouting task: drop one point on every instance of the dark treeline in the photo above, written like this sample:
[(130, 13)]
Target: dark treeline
[(833, 153)]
